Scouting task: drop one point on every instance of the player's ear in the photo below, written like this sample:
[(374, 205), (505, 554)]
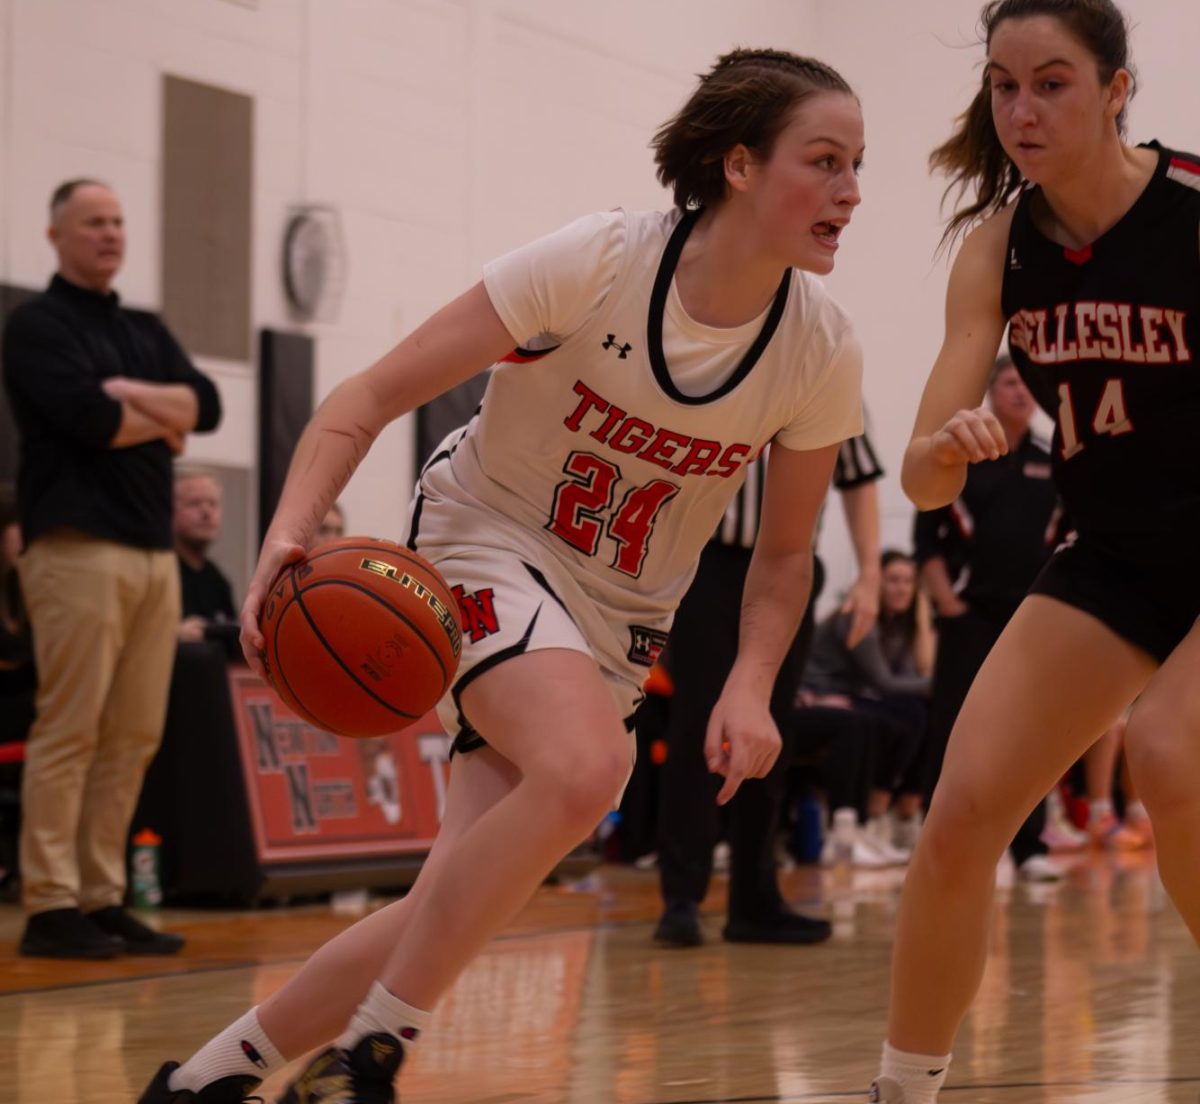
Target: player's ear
[(1118, 92), (739, 163)]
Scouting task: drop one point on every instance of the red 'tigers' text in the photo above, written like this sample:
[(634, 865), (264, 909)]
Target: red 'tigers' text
[(679, 453)]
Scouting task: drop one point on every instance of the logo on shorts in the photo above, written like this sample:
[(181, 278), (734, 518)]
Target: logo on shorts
[(478, 612), (645, 645)]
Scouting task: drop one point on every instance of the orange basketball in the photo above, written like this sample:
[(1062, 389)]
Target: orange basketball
[(362, 636)]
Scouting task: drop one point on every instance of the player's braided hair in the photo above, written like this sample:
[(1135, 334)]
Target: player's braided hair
[(972, 156), (746, 98)]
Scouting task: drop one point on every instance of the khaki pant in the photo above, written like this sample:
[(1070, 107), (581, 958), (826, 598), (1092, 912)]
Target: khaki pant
[(104, 617)]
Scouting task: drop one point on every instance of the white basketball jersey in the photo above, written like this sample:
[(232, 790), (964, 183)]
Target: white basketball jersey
[(587, 457)]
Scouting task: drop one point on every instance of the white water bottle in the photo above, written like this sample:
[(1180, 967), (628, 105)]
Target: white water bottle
[(844, 832)]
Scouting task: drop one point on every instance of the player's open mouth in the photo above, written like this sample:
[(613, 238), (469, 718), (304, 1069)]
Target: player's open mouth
[(828, 232)]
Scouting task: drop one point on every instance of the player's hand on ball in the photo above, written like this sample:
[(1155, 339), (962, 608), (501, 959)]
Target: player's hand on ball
[(274, 557), (742, 740), (970, 437)]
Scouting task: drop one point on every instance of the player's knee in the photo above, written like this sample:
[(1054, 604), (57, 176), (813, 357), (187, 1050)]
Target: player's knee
[(586, 785), (960, 836), (1158, 741)]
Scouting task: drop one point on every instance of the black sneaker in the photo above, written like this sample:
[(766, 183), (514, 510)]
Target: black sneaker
[(783, 926), (228, 1090), (136, 937), (364, 1075), (679, 925), (66, 933)]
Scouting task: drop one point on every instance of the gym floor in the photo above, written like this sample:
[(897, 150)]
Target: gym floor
[(1092, 994)]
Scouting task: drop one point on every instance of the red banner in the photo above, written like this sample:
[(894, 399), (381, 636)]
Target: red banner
[(313, 795)]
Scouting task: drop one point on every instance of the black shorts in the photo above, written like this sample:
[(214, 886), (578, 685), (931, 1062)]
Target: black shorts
[(1150, 603)]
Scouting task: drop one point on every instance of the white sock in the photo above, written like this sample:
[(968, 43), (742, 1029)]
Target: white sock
[(919, 1075), (1135, 810), (241, 1049), (383, 1012), (1099, 807)]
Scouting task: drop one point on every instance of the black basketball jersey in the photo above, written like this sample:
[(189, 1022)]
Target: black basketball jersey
[(1108, 340)]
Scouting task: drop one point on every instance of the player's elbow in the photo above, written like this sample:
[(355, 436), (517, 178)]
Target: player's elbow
[(921, 496), (928, 485), (208, 410)]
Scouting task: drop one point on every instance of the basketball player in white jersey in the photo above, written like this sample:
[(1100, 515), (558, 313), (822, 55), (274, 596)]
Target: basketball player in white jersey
[(642, 361)]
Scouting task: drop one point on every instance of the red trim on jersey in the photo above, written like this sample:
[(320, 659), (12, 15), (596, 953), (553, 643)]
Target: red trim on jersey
[(1186, 166), (1078, 256), (519, 357)]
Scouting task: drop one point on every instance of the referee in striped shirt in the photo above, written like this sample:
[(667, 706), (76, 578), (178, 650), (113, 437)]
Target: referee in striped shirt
[(699, 656)]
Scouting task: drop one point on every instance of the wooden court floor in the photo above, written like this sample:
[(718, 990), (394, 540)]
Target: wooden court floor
[(1092, 993)]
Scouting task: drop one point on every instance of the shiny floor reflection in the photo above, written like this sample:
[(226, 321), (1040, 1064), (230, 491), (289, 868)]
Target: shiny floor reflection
[(1092, 994)]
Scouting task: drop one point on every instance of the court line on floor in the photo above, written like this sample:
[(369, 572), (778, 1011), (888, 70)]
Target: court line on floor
[(1000, 1086), (224, 967), (263, 963)]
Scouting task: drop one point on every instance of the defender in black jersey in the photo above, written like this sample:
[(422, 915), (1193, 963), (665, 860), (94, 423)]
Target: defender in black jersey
[(1088, 251), (1108, 339)]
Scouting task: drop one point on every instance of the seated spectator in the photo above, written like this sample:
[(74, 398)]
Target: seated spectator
[(886, 676), (208, 607), (894, 658)]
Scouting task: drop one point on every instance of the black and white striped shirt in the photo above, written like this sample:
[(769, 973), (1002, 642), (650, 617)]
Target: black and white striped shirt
[(857, 463)]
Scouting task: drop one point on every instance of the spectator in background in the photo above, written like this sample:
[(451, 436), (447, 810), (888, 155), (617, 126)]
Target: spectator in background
[(332, 527), (207, 597), (886, 675), (102, 397), (894, 658), (700, 653)]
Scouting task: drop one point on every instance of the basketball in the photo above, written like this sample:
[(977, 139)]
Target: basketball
[(362, 637)]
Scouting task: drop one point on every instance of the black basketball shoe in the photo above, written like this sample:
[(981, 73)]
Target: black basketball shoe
[(364, 1075), (228, 1090)]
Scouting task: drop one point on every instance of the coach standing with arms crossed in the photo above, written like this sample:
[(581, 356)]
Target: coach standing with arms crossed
[(102, 397)]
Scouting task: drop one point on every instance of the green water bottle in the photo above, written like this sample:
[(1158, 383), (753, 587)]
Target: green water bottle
[(144, 869)]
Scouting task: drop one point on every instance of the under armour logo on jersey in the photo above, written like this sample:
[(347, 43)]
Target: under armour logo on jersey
[(613, 343), (645, 645), (1013, 263)]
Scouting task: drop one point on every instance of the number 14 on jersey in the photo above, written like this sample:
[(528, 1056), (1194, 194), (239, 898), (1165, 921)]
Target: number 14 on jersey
[(1110, 416)]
